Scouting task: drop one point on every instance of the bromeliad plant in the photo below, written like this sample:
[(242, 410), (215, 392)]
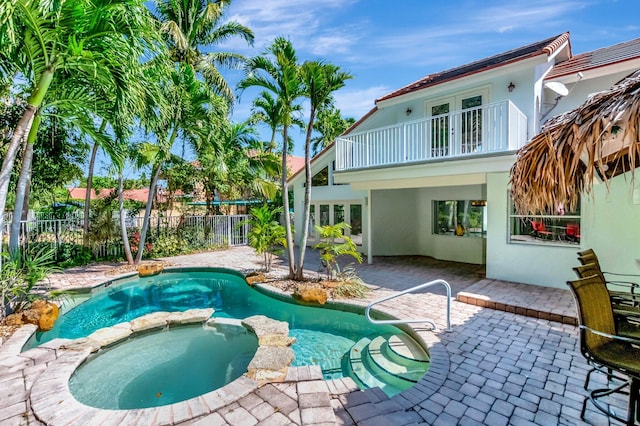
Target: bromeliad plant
[(267, 236), (331, 249), (19, 280)]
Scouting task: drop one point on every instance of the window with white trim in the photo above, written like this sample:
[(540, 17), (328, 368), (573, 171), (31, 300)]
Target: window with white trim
[(560, 227)]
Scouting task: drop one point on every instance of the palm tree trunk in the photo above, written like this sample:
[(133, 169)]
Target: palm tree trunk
[(123, 224), (21, 188), (285, 204), (147, 212), (307, 196), (87, 196), (23, 127)]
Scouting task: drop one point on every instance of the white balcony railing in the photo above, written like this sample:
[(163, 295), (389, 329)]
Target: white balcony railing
[(489, 128)]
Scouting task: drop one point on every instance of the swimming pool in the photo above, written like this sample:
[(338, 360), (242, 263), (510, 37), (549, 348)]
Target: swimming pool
[(325, 337)]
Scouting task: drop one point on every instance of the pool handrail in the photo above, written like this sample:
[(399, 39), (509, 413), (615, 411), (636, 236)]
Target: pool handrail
[(446, 285)]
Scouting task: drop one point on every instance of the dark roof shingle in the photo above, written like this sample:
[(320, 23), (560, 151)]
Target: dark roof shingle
[(547, 46), (620, 52)]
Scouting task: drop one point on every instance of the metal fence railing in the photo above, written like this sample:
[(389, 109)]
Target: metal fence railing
[(199, 231)]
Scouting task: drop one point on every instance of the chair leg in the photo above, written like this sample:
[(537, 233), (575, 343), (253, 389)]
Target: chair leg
[(633, 413)]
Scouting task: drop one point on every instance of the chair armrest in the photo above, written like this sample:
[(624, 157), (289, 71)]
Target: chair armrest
[(611, 336), (621, 275)]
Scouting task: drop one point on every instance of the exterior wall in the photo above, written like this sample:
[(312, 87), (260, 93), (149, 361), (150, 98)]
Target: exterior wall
[(579, 92), (402, 224), (608, 225), (394, 220), (331, 194)]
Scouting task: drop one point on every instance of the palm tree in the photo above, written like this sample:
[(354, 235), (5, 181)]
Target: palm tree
[(192, 24), (236, 166), (190, 111), (320, 80), (329, 125), (90, 39), (277, 71)]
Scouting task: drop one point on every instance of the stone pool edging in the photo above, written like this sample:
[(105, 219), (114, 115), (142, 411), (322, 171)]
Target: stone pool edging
[(438, 370), (307, 380), (52, 402)]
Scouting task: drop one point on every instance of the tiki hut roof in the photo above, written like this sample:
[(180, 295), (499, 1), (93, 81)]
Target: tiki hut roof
[(602, 136)]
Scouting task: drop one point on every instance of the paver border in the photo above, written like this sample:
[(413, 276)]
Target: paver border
[(54, 398)]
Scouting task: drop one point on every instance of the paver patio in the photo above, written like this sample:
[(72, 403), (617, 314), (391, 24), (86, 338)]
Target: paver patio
[(504, 362)]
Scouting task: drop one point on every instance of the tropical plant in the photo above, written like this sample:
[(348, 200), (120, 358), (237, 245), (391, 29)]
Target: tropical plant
[(330, 249), (194, 24), (350, 284), (329, 125), (19, 279), (319, 80), (277, 72), (266, 236), (77, 49), (191, 111)]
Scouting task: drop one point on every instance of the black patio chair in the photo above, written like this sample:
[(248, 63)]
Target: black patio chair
[(604, 348)]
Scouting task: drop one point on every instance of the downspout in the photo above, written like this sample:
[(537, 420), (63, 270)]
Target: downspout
[(369, 228)]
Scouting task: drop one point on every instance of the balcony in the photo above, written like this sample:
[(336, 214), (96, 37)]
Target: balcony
[(491, 128)]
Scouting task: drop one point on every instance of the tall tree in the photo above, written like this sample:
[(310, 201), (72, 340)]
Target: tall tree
[(320, 80), (191, 25), (89, 39), (328, 126), (277, 71), (190, 112)]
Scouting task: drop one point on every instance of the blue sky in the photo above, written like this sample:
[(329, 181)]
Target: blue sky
[(388, 44)]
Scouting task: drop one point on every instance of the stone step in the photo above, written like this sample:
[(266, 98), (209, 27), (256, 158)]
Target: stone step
[(405, 369), (403, 350), (360, 365)]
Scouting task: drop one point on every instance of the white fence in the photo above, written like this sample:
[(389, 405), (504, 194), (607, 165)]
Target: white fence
[(489, 128), (200, 231)]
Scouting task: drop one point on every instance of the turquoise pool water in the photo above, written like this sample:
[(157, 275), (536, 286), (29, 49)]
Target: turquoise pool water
[(164, 367), (324, 335)]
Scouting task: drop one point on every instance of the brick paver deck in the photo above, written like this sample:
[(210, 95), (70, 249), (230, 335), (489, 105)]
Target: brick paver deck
[(496, 367)]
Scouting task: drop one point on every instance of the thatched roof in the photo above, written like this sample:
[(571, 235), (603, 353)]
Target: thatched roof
[(602, 136)]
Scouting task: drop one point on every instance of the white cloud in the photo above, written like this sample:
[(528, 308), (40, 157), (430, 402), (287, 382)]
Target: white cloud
[(357, 102)]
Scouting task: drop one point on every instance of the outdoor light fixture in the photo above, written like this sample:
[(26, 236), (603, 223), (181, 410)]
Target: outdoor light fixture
[(408, 111), (511, 86)]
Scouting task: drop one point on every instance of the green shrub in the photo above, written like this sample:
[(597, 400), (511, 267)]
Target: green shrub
[(169, 245), (70, 254)]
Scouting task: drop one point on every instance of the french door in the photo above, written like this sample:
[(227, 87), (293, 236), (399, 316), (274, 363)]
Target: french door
[(456, 123)]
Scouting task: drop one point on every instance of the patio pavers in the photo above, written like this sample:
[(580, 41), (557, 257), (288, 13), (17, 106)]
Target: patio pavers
[(494, 367)]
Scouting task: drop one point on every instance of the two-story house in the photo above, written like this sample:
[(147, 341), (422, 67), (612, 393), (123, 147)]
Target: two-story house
[(426, 171)]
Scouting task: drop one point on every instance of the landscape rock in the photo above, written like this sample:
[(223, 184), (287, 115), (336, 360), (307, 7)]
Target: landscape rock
[(148, 269), (190, 316), (109, 335), (149, 321), (270, 364), (261, 325), (311, 295), (255, 277)]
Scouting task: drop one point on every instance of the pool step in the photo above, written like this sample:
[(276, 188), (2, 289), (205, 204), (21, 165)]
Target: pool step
[(403, 350), (372, 363), (387, 360)]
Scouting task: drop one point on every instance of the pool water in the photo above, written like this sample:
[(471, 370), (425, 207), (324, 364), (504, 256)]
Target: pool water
[(323, 335), (164, 367)]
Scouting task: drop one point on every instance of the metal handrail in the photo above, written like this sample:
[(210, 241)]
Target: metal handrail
[(446, 285)]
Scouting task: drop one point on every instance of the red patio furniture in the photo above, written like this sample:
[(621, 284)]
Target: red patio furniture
[(539, 230)]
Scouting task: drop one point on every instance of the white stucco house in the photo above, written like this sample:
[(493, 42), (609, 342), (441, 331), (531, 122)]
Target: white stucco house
[(436, 154)]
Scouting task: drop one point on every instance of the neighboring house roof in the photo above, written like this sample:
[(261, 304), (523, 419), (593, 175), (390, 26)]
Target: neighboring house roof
[(610, 55), (544, 47), (80, 193), (294, 164), (140, 195)]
